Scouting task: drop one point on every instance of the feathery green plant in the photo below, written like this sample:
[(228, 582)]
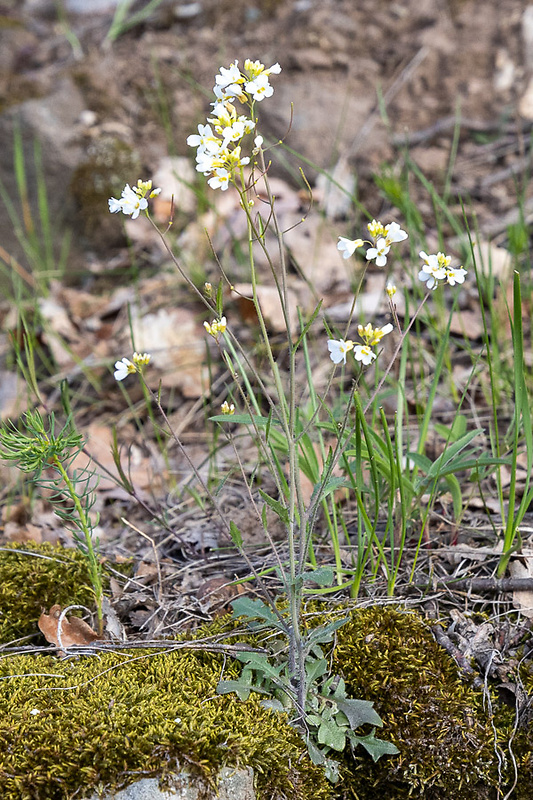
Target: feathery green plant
[(47, 455)]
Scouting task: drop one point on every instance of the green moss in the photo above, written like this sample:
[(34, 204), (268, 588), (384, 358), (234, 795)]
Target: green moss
[(522, 741), (110, 720), (437, 721), (33, 577)]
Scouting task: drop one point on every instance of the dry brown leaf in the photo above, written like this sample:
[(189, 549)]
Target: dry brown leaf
[(522, 567), (467, 323), (314, 249), (216, 595), (175, 175), (492, 259), (145, 471), (176, 341), (270, 304), (74, 631), (13, 395)]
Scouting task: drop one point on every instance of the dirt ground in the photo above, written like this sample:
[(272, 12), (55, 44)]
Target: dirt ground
[(372, 85)]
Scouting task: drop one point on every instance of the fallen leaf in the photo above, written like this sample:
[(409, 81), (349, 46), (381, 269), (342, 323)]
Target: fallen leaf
[(314, 249), (74, 631), (176, 341), (216, 595), (270, 305), (522, 567), (175, 175)]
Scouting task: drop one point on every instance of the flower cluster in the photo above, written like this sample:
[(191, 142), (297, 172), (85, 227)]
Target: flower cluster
[(227, 408), (216, 327), (125, 367), (437, 269), (133, 200), (219, 142), (339, 348), (382, 237)]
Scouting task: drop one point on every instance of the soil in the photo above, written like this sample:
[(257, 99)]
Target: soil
[(365, 88)]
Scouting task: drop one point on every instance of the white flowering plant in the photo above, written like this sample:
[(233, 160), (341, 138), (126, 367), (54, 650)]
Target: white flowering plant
[(230, 152)]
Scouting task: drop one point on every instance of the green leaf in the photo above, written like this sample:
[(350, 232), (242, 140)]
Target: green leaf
[(261, 664), (242, 419), (273, 704), (376, 747), (236, 535), (253, 609), (316, 755), (455, 431), (331, 735), (323, 634), (276, 506), (323, 576), (320, 492), (241, 687), (359, 712), (220, 299), (315, 669)]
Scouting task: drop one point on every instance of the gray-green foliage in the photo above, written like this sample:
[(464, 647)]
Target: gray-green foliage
[(329, 718)]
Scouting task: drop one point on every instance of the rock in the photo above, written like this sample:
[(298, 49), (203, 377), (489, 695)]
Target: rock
[(525, 106), (47, 121), (233, 784), (527, 36)]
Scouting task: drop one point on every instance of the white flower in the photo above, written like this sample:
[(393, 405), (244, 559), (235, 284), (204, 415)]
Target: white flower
[(371, 335), (205, 138), (124, 368), (259, 88), (348, 246), (434, 269), (133, 200), (390, 289), (363, 353), (35, 711), (379, 252), (455, 275), (229, 75), (129, 203), (207, 162), (376, 229), (338, 350), (227, 408), (393, 233), (220, 179), (216, 327), (275, 69), (229, 82), (427, 278)]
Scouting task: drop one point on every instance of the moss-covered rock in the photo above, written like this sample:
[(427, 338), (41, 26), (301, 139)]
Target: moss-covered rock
[(69, 726), (33, 577), (109, 164), (436, 720)]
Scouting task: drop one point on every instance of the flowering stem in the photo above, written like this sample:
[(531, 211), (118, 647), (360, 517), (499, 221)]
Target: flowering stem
[(394, 355)]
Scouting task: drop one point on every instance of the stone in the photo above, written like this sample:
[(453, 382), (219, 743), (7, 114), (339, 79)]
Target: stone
[(47, 121), (233, 784)]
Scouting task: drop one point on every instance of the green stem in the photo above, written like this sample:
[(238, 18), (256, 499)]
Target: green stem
[(85, 527)]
